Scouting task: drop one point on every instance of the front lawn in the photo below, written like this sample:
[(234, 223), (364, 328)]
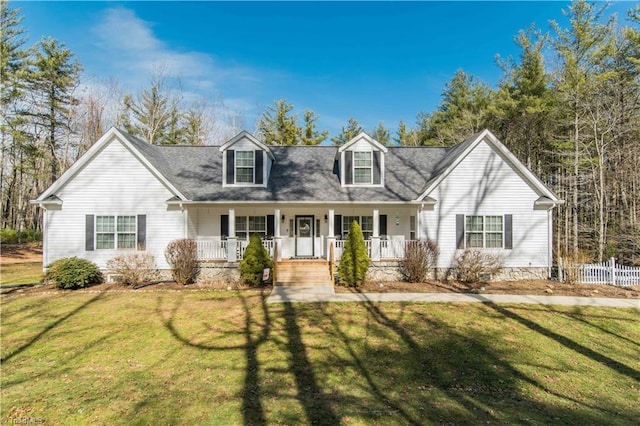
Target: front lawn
[(21, 273), (204, 357)]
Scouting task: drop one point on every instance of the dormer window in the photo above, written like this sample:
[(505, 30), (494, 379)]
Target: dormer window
[(244, 167), (362, 168), (361, 162), (246, 161)]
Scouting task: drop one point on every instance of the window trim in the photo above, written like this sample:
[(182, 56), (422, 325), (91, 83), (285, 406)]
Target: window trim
[(484, 232), (370, 167), (115, 233), (345, 230), (236, 167), (249, 231)]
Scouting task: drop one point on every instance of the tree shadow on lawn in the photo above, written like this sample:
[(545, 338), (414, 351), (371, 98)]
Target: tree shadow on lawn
[(49, 327), (382, 363)]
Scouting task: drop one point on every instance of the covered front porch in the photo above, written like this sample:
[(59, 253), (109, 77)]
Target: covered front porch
[(300, 232)]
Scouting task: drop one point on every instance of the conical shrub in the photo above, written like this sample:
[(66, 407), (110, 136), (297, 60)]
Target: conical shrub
[(354, 261), (254, 261)]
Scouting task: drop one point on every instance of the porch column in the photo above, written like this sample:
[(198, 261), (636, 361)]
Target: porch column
[(375, 239), (231, 239), (276, 233), (331, 239)]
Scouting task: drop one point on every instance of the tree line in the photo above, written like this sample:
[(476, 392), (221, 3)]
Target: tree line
[(568, 107)]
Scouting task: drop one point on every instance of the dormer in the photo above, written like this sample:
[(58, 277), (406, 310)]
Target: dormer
[(246, 161), (361, 162)]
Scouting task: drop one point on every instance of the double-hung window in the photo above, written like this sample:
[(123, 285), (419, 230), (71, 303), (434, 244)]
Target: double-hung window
[(484, 231), (362, 167), (365, 222), (249, 225), (244, 166), (115, 232)]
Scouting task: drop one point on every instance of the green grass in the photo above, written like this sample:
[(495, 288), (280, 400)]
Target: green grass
[(21, 273), (229, 358)]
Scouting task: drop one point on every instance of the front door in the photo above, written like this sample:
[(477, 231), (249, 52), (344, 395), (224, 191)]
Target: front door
[(304, 235)]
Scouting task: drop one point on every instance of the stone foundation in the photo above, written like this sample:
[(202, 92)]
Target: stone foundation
[(390, 271), (227, 272)]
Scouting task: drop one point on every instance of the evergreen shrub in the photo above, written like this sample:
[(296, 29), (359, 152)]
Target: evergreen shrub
[(355, 260), (254, 260), (73, 272)]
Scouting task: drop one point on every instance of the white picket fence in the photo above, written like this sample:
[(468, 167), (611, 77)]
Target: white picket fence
[(608, 272)]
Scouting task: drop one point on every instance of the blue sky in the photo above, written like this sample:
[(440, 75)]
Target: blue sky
[(374, 61)]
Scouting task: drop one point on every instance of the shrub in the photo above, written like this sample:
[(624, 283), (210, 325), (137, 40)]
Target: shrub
[(254, 260), (473, 265), (570, 265), (73, 272), (11, 236), (419, 259), (182, 255), (135, 268), (354, 261), (8, 236), (31, 236)]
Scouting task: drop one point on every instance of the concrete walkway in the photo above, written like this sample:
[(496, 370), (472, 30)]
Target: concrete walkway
[(327, 294)]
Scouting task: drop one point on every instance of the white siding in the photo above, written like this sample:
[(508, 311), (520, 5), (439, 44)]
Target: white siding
[(483, 184), (114, 182)]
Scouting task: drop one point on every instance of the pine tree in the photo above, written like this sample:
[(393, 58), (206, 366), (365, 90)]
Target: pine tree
[(462, 112), (53, 78), (404, 136), (13, 67), (277, 126), (311, 136), (153, 115), (381, 134), (352, 130), (354, 261)]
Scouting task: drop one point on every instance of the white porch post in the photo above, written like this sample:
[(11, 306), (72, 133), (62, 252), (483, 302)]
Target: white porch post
[(276, 231), (375, 239), (331, 239), (232, 240)]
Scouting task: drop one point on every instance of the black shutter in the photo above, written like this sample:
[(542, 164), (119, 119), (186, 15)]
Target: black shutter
[(376, 167), (142, 232), (348, 167), (271, 225), (231, 167), (224, 225), (508, 231), (337, 225), (89, 233), (258, 172), (460, 231), (383, 225)]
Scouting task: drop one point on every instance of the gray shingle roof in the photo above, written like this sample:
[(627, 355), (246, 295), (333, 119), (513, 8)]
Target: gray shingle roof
[(300, 173)]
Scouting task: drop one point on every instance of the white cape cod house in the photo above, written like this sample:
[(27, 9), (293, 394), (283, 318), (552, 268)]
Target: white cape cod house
[(125, 194)]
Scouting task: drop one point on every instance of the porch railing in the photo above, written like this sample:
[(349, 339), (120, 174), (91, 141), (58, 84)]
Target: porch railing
[(389, 249), (211, 249), (215, 249)]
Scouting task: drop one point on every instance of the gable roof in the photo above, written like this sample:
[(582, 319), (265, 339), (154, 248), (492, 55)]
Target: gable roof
[(142, 150), (459, 152), (366, 137), (246, 135), (303, 174)]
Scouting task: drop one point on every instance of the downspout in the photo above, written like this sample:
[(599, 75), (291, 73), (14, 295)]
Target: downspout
[(549, 241)]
